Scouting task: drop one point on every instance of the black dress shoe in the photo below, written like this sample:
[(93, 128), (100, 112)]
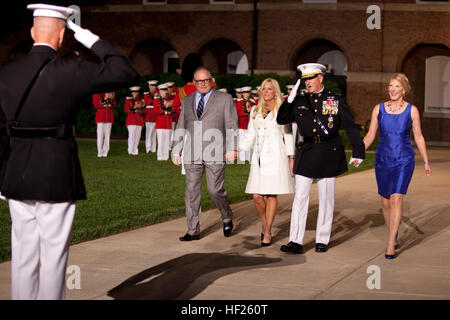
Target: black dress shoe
[(320, 247), (227, 228), (188, 237), (292, 247)]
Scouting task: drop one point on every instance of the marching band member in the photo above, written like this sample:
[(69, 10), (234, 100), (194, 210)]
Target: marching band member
[(238, 93), (104, 103), (150, 117), (243, 108), (163, 108), (172, 94), (134, 107)]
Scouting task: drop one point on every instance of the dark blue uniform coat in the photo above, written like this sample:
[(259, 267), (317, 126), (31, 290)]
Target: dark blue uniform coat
[(48, 169), (322, 154)]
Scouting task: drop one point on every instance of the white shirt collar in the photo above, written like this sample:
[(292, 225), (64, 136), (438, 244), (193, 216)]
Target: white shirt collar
[(44, 44)]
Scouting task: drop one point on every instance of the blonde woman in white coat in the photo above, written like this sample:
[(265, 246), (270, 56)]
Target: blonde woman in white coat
[(271, 171)]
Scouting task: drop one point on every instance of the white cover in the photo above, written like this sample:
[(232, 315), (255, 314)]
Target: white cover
[(273, 144), (47, 10)]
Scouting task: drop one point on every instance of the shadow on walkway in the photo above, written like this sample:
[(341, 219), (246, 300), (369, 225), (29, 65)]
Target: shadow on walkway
[(186, 276)]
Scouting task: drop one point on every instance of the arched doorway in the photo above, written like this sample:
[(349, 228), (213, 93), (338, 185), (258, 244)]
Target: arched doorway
[(327, 53), (414, 66), (155, 56), (223, 56), (427, 67)]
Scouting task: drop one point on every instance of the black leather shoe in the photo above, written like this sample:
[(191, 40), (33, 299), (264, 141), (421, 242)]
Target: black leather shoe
[(292, 247), (227, 228), (320, 247), (188, 237)]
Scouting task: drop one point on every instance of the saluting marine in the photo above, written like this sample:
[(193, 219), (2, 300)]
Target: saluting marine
[(41, 173), (319, 114)]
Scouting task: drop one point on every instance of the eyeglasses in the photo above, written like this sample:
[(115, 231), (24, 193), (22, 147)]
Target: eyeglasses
[(204, 81)]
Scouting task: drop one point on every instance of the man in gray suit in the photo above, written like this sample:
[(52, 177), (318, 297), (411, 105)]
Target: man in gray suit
[(206, 133)]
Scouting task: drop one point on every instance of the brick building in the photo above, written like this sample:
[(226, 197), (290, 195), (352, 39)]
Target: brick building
[(363, 41)]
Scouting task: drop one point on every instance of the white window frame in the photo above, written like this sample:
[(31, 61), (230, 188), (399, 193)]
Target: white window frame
[(221, 2), (432, 2), (146, 3), (440, 111), (319, 1)]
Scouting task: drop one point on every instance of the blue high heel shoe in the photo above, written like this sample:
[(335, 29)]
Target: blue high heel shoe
[(389, 256)]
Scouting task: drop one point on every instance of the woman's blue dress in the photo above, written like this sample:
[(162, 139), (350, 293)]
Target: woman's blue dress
[(394, 156)]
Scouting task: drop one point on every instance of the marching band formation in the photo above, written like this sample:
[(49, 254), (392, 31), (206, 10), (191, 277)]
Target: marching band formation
[(158, 110)]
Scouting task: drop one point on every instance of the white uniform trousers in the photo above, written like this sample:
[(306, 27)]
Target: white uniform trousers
[(300, 209), (103, 137), (134, 136), (163, 136), (40, 239), (243, 155), (150, 137)]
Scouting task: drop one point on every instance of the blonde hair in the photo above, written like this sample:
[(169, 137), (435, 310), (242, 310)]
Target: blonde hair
[(261, 106), (400, 77)]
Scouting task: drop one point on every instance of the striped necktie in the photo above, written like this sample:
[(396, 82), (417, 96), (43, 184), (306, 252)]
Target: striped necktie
[(200, 106)]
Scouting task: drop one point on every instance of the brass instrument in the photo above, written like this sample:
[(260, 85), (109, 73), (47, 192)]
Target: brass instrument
[(247, 106), (137, 106), (167, 110), (107, 102)]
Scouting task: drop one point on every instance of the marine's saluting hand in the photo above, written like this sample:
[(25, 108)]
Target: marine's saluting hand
[(84, 36)]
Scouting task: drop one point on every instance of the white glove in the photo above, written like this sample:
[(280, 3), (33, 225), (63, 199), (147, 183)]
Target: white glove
[(84, 36), (357, 159), (294, 92)]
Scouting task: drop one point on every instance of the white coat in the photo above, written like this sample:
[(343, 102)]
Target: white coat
[(273, 143)]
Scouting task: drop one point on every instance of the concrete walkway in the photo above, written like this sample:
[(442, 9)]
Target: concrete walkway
[(151, 263)]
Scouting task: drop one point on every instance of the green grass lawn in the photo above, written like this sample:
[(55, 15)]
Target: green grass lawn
[(126, 192)]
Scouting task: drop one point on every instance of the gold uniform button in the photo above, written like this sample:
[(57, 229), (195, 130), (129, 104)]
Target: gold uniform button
[(315, 120), (315, 110), (314, 130), (316, 100)]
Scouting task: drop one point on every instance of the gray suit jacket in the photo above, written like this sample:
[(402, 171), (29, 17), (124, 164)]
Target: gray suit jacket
[(206, 139)]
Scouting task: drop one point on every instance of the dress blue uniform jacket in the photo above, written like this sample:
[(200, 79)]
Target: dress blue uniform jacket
[(48, 169), (322, 154)]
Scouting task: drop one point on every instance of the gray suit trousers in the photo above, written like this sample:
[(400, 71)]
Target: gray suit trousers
[(215, 178)]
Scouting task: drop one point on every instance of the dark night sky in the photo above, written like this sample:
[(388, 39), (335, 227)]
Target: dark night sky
[(15, 16)]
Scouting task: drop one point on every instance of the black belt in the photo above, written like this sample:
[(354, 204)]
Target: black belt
[(59, 132), (319, 139)]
